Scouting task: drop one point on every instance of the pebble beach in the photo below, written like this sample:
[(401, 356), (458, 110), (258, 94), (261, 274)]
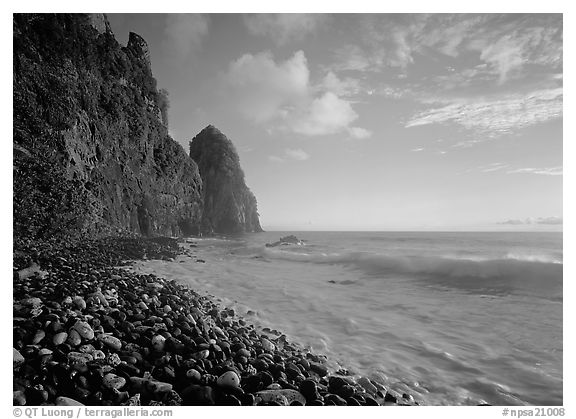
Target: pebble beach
[(88, 331)]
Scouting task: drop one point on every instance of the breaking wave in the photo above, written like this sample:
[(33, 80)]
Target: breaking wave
[(498, 275)]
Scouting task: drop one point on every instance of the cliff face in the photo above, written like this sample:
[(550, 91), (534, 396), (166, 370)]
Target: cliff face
[(229, 206), (91, 153)]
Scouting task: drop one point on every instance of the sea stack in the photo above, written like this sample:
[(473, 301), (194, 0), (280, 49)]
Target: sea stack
[(229, 205)]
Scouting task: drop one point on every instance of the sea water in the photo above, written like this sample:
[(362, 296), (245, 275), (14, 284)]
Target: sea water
[(451, 318)]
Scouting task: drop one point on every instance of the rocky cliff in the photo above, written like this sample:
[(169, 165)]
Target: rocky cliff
[(91, 151), (229, 206)]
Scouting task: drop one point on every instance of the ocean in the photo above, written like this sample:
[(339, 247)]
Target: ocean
[(451, 318)]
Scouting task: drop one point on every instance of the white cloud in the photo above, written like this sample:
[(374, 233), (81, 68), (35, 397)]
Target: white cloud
[(496, 116), (507, 44), (493, 167), (265, 90), (185, 33), (359, 133), (275, 159), (418, 149), (550, 220), (341, 87), (547, 171), (297, 154), (280, 94), (327, 114), (283, 27), (532, 220)]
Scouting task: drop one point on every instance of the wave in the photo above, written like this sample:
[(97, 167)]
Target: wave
[(497, 275), (557, 259)]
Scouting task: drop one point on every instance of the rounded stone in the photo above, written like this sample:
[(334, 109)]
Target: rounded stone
[(267, 345), (17, 358), (84, 330), (193, 374), (158, 342), (228, 379), (111, 341), (113, 382), (59, 338), (38, 336), (309, 390), (113, 359), (74, 338), (79, 302)]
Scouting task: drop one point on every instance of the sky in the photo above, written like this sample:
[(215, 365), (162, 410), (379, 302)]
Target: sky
[(374, 121)]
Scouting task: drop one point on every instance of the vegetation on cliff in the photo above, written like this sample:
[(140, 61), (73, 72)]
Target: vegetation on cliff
[(91, 150)]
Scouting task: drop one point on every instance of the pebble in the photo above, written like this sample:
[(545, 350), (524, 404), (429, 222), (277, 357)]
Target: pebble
[(74, 338), (319, 369), (289, 394), (44, 352), (132, 339), (17, 358), (79, 302), (267, 345), (228, 379), (158, 343), (67, 401), (84, 330), (113, 382), (309, 390), (367, 385), (38, 337), (111, 341), (271, 396), (18, 398), (59, 338), (193, 374)]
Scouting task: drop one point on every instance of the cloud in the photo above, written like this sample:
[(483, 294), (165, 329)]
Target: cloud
[(359, 133), (539, 220), (275, 159), (509, 45), (548, 171), (493, 167), (283, 27), (498, 167), (550, 220), (185, 33), (327, 114), (495, 116), (343, 87), (293, 154), (265, 89), (297, 154), (281, 94), (416, 150)]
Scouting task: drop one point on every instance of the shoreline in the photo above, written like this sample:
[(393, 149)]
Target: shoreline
[(87, 330)]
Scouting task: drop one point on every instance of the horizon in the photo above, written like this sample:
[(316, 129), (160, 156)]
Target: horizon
[(370, 122), (284, 230)]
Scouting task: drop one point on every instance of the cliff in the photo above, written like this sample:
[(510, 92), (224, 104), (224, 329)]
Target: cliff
[(229, 206), (91, 152)]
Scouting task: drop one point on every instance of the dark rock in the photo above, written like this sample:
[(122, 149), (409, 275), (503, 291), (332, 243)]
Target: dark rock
[(229, 206), (319, 369), (369, 401), (335, 399), (197, 395), (309, 390), (390, 398)]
